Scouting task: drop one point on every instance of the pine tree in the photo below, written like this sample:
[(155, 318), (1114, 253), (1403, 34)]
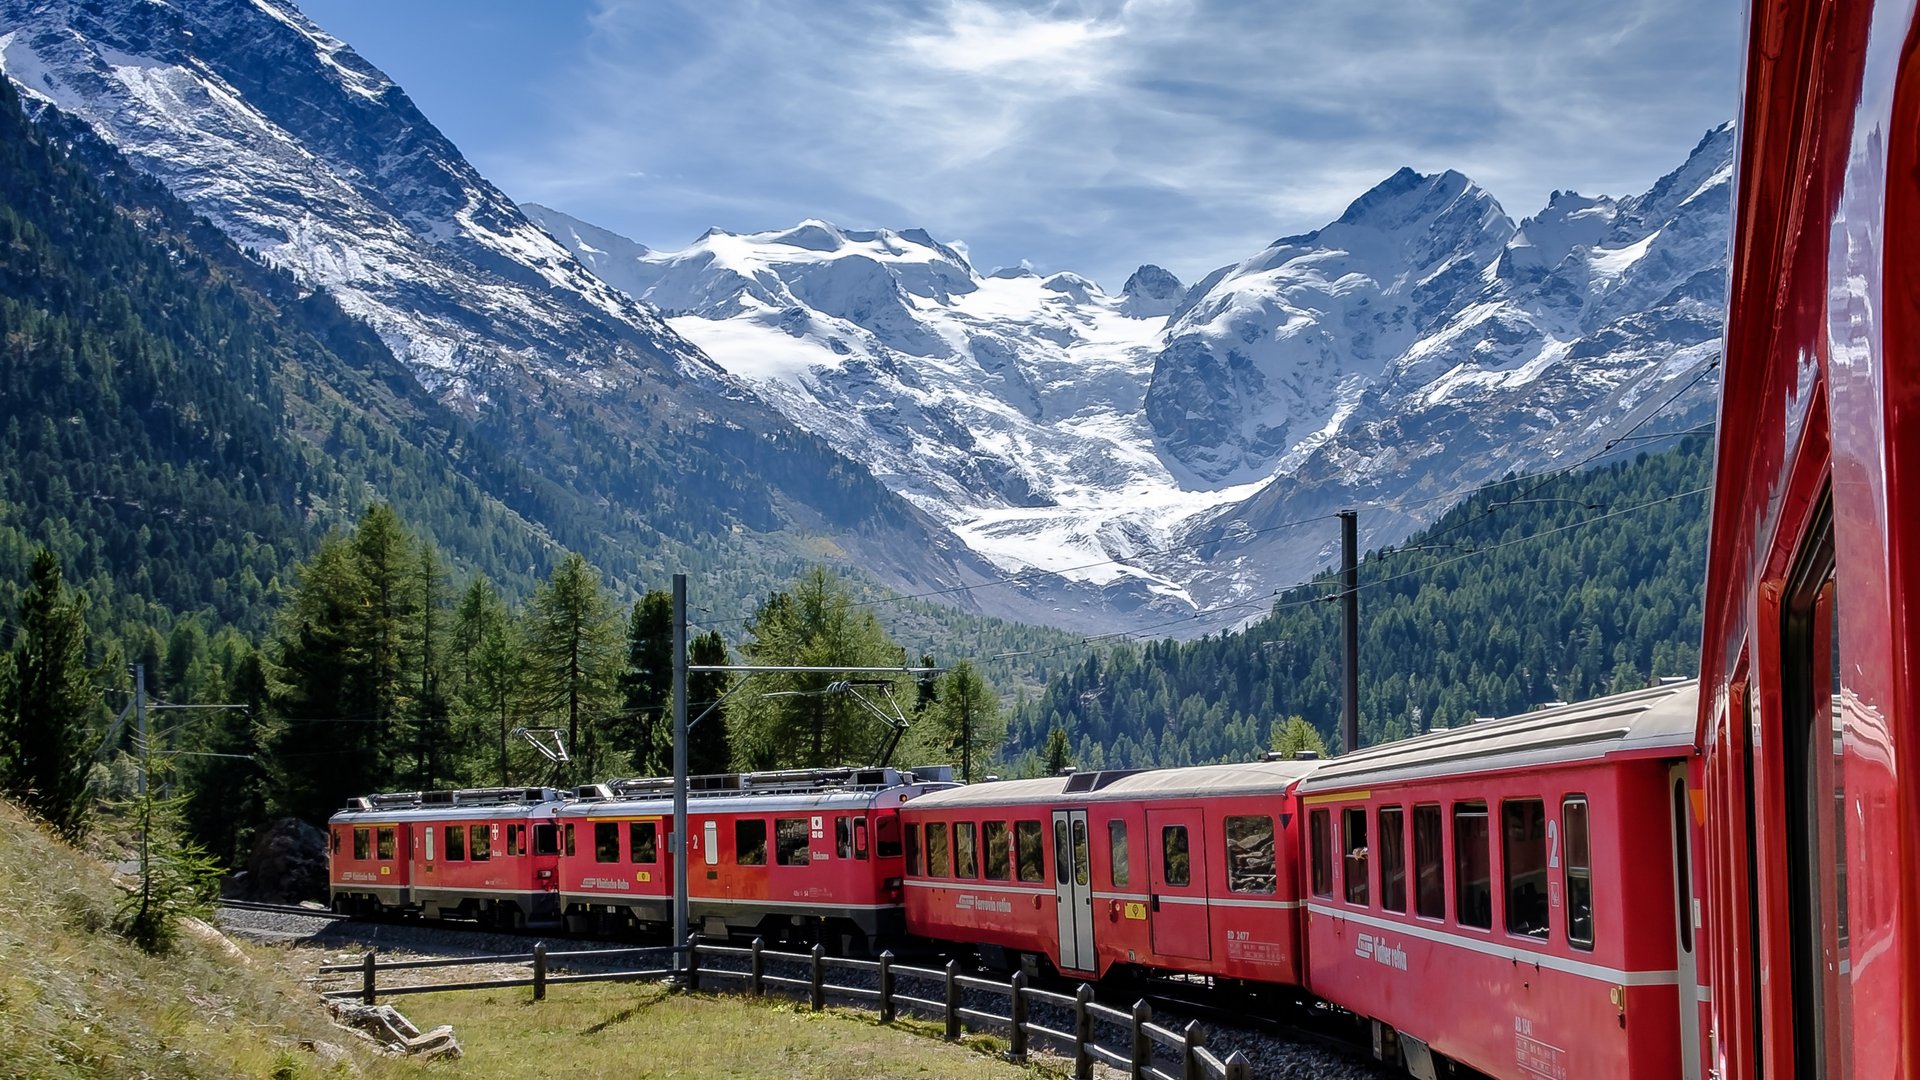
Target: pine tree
[(1058, 755), (646, 685), (326, 741), (48, 706), (573, 659), (229, 791), (435, 746), (487, 643), (707, 747), (1294, 735)]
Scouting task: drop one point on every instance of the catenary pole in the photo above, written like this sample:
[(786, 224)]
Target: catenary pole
[(680, 912), (1350, 612)]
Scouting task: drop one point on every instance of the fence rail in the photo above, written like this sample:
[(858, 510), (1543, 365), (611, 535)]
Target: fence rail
[(1187, 1045)]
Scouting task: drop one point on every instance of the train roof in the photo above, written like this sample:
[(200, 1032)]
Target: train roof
[(1118, 785), (464, 804), (1657, 720)]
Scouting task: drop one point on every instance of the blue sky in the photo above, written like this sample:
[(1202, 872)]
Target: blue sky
[(1089, 136)]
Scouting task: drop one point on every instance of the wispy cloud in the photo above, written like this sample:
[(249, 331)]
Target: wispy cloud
[(1095, 135)]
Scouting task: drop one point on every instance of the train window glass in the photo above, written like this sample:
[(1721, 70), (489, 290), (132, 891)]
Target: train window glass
[(363, 843), (546, 838), (966, 862), (790, 841), (913, 849), (383, 843), (337, 834), (1117, 853), (749, 842), (1080, 851), (513, 839), (998, 864), (1029, 840), (606, 841), (1319, 826), (1250, 854), (1062, 857), (1353, 852), (1429, 873), (842, 837), (1393, 859), (1176, 863), (1472, 882), (456, 841), (886, 837), (567, 846), (939, 855), (480, 846), (859, 838), (643, 841), (1523, 863), (426, 835), (1579, 872)]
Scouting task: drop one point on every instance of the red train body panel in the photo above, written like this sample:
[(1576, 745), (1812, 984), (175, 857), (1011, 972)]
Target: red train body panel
[(1517, 895), (1173, 870), (487, 853), (1809, 658), (796, 855)]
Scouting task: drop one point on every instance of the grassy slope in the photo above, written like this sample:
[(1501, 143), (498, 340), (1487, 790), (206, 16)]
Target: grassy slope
[(76, 1001)]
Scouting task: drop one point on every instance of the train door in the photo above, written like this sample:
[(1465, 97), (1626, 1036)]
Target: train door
[(1177, 904), (1684, 924), (1073, 888)]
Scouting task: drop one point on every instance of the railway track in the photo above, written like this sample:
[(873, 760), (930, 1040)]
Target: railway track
[(282, 909)]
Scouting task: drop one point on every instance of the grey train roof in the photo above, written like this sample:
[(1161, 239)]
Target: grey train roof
[(1658, 720), (1118, 785)]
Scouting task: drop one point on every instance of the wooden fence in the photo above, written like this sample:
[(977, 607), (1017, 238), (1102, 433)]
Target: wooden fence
[(1188, 1045)]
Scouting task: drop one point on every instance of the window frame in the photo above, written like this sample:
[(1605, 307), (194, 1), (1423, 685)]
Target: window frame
[(453, 843), (1167, 853), (362, 843), (1510, 857), (998, 857), (1248, 877), (1465, 811), (1393, 856), (1030, 838), (784, 851), (643, 836), (966, 850), (1583, 873), (1119, 859), (1356, 862), (606, 842), (1320, 853), (480, 842), (912, 836), (742, 826), (1435, 816), (939, 849)]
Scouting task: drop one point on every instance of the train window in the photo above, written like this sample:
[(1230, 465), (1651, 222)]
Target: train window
[(939, 856), (480, 845), (1080, 851), (1579, 872), (860, 839), (886, 837), (363, 843), (426, 835), (1523, 862), (966, 862), (1429, 873), (998, 865), (643, 841), (749, 842), (1062, 857), (913, 849), (1353, 848), (383, 843), (513, 839), (1319, 826), (456, 840), (1176, 864), (606, 841), (546, 838), (566, 848), (1250, 854), (790, 841), (842, 837), (1028, 845), (337, 834), (1117, 853), (1472, 872), (1393, 858)]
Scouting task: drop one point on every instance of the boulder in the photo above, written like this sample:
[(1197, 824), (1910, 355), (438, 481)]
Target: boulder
[(288, 864)]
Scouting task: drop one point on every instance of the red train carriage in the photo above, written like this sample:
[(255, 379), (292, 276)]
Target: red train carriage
[(1516, 895), (486, 853), (1809, 658), (1180, 870), (800, 855)]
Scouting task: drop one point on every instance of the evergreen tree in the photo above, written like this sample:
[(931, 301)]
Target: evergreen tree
[(1294, 735), (707, 747), (487, 644), (1058, 755), (961, 725), (229, 787), (174, 877), (646, 685), (573, 660), (326, 740), (436, 748), (48, 706)]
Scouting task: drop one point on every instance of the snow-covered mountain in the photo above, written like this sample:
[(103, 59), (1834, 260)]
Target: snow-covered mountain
[(303, 152), (1158, 443)]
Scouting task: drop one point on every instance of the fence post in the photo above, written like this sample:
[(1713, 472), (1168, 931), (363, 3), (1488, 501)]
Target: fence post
[(886, 986), (1193, 1039), (1082, 1033), (1238, 1067), (693, 962), (1017, 1047), (817, 975), (757, 970), (953, 1001), (539, 971), (1142, 1056), (366, 979)]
